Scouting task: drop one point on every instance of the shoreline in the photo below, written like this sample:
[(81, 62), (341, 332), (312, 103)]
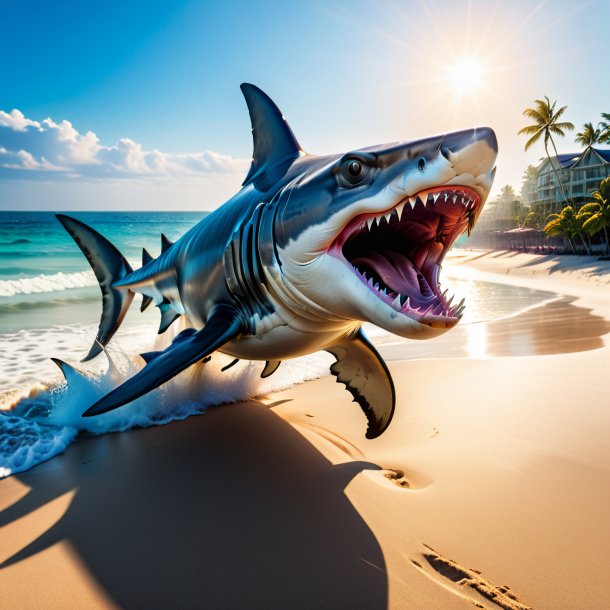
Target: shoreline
[(494, 474)]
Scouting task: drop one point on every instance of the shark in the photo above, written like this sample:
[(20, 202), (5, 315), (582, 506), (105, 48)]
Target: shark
[(309, 249)]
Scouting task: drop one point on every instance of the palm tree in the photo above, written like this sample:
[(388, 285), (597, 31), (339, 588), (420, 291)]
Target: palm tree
[(546, 123), (605, 128), (568, 224), (596, 214), (589, 135)]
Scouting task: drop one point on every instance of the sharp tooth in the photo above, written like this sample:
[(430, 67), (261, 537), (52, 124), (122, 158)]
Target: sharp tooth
[(427, 312), (464, 200), (435, 196), (450, 300), (376, 286), (407, 304), (445, 292), (388, 216), (458, 309), (396, 302), (370, 282), (412, 201), (455, 198), (369, 222), (399, 208)]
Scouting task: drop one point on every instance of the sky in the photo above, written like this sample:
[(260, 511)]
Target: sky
[(136, 105)]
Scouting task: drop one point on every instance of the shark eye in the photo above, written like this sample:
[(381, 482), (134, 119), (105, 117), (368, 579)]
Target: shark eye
[(421, 163), (354, 168), (352, 172)]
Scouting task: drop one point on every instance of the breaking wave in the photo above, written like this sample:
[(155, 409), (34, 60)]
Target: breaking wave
[(43, 423), (47, 283)]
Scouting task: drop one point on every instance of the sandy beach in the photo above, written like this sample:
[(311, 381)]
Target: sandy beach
[(490, 489)]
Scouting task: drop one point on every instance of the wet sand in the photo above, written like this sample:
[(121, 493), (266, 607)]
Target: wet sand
[(490, 489)]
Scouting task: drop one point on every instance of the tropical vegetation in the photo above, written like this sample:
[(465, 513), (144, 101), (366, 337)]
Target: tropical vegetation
[(596, 214), (589, 135), (522, 222), (567, 224), (546, 124), (605, 128)]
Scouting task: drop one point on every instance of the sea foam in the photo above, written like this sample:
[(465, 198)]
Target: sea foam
[(43, 424), (47, 283)]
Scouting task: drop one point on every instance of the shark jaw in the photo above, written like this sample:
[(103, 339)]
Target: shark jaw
[(397, 254)]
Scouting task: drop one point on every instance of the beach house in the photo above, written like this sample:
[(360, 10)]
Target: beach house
[(580, 174)]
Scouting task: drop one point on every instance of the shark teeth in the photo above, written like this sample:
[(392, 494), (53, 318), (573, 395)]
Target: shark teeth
[(426, 199), (403, 304), (461, 199)]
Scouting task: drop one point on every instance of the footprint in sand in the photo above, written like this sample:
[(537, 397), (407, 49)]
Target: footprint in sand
[(397, 477), (466, 581), (406, 480)]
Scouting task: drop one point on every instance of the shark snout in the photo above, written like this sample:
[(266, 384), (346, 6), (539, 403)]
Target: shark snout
[(471, 151), (457, 141)]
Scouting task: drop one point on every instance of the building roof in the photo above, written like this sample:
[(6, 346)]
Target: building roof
[(603, 153), (568, 160)]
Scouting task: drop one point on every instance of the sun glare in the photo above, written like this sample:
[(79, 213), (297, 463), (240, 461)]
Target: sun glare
[(466, 74)]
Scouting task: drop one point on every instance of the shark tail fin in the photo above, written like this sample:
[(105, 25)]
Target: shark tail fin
[(109, 266)]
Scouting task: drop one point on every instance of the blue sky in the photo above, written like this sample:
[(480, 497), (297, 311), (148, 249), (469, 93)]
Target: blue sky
[(157, 84)]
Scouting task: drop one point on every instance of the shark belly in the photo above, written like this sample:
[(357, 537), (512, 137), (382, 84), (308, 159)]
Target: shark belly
[(284, 342)]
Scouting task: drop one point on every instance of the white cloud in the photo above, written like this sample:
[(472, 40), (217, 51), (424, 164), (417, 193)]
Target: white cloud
[(59, 150), (16, 120)]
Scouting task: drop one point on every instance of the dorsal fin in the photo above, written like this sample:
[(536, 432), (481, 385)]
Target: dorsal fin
[(275, 147), (165, 243), (146, 257)]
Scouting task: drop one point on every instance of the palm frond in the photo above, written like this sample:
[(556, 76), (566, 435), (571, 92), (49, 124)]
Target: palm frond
[(557, 114), (533, 140), (529, 130), (557, 131), (535, 114), (593, 224), (565, 125)]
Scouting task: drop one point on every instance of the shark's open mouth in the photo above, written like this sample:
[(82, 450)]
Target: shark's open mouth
[(398, 253)]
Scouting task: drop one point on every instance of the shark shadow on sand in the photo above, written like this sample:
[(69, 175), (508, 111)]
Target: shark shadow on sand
[(234, 509)]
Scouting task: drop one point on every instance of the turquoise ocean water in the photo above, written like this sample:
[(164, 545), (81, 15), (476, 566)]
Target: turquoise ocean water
[(50, 305)]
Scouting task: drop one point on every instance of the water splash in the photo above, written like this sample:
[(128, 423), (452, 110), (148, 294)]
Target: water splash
[(43, 424)]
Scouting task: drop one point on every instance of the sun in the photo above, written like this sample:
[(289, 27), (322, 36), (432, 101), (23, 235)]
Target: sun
[(466, 74)]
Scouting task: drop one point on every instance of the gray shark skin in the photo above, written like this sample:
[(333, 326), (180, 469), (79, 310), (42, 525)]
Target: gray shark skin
[(307, 250)]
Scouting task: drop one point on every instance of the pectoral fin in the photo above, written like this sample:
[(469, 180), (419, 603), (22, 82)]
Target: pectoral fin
[(224, 324), (364, 373)]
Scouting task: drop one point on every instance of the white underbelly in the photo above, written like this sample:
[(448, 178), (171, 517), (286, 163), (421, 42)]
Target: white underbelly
[(283, 342)]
